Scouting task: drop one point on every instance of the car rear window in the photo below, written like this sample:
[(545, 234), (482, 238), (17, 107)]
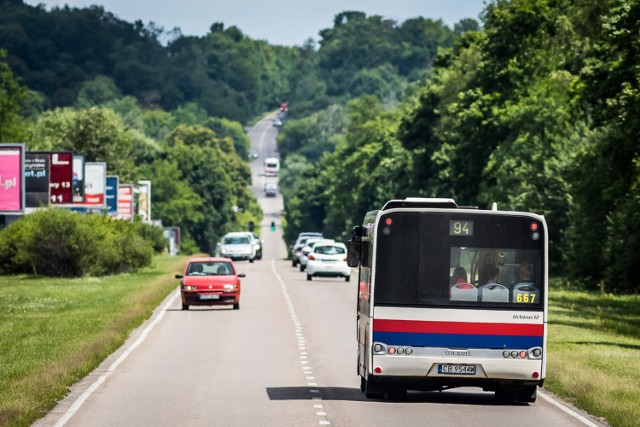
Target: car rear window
[(329, 250), (240, 240)]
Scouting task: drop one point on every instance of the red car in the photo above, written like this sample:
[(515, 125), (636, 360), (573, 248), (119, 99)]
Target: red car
[(210, 281)]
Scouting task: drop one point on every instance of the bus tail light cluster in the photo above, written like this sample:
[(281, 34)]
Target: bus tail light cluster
[(379, 348), (532, 353)]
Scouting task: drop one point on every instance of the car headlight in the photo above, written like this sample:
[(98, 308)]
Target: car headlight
[(189, 287), (230, 287)]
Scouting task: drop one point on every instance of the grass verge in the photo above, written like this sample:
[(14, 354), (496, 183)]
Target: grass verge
[(593, 349), (53, 332)]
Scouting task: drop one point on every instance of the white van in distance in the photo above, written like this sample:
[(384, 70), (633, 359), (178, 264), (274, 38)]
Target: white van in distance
[(271, 166)]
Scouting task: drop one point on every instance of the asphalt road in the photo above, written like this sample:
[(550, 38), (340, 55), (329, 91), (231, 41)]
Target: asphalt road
[(286, 358)]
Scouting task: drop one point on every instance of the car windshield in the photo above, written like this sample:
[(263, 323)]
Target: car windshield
[(330, 250), (211, 268), (236, 240)]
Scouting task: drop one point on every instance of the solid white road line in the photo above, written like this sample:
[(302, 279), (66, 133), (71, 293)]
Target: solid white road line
[(567, 410), (84, 396)]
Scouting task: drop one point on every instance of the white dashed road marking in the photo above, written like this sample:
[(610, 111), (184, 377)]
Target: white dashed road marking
[(306, 370)]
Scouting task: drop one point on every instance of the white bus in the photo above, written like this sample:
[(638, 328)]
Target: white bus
[(271, 166), (450, 297)]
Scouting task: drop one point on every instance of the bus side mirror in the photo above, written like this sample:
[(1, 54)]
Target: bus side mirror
[(354, 253)]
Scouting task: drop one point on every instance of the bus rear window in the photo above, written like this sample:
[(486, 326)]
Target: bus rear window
[(434, 259)]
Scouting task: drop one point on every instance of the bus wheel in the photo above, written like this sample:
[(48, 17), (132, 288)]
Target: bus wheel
[(373, 391), (397, 394), (503, 396), (527, 394)]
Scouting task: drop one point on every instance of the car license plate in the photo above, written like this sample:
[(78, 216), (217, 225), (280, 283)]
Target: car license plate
[(457, 369), (210, 296)]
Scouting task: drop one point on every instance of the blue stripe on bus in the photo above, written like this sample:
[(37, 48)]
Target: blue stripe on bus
[(457, 340)]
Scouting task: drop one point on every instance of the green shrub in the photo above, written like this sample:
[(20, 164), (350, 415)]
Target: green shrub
[(59, 243)]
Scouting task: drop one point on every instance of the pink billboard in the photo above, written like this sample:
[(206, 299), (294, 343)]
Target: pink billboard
[(11, 177)]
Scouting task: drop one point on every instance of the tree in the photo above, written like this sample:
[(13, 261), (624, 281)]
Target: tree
[(12, 94), (97, 133)]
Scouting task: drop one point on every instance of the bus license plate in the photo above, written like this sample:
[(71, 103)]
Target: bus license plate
[(210, 296), (457, 369)]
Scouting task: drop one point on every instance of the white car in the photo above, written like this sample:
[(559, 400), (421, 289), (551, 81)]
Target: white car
[(304, 256), (296, 248), (238, 246), (328, 260)]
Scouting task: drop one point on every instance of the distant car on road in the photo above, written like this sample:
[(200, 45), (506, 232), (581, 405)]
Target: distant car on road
[(301, 242), (328, 260), (271, 166), (304, 257), (271, 189), (257, 242), (210, 281), (238, 245)]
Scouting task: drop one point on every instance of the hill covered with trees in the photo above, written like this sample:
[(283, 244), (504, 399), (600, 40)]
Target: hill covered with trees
[(86, 81)]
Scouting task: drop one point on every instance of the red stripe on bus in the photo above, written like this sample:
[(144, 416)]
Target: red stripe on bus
[(472, 328)]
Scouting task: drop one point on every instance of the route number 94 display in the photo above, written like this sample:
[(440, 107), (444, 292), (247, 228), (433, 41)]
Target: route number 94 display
[(460, 228)]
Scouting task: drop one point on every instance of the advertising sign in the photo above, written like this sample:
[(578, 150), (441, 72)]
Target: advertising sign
[(78, 179), (125, 202), (95, 177), (36, 179), (12, 187), (111, 195), (60, 178), (144, 200)]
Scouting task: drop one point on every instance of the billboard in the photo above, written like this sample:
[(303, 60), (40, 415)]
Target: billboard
[(125, 202), (95, 177), (144, 200), (77, 184), (111, 195), (60, 176), (36, 179), (12, 194)]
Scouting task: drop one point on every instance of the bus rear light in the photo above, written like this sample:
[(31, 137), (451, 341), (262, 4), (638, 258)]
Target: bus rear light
[(536, 374), (523, 354), (534, 226), (388, 221), (400, 350), (514, 354), (409, 350), (506, 354), (378, 348), (392, 350), (378, 370), (535, 353)]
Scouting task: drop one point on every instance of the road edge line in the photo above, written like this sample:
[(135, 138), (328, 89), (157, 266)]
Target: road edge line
[(85, 395)]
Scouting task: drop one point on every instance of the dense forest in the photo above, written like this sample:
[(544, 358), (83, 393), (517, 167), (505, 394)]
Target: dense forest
[(535, 108), (537, 111)]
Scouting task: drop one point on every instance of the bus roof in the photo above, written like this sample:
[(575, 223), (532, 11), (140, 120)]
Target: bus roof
[(420, 202)]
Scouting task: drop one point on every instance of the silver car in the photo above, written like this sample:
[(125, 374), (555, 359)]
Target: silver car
[(238, 246)]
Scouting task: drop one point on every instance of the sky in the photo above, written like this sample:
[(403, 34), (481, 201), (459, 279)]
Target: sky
[(280, 22)]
